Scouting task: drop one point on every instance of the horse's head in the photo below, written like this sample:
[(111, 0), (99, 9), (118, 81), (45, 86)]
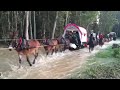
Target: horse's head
[(13, 44), (60, 39)]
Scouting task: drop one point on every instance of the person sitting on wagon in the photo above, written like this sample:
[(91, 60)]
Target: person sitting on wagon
[(67, 35), (75, 39)]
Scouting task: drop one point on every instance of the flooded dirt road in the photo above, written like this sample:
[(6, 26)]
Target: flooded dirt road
[(56, 66)]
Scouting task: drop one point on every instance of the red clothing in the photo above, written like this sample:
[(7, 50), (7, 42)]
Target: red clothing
[(100, 36), (20, 41)]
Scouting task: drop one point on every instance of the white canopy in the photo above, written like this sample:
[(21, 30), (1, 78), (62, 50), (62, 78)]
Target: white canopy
[(82, 31)]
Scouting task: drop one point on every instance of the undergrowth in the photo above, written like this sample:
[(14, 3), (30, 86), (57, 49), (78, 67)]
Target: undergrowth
[(105, 65)]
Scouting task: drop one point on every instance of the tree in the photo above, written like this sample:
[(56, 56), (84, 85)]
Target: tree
[(27, 25), (53, 33), (34, 26), (67, 13), (107, 21), (31, 34), (50, 24)]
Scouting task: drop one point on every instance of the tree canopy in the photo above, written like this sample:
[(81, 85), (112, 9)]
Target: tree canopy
[(50, 24)]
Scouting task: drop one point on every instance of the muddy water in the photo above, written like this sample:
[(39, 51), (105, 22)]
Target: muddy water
[(54, 66)]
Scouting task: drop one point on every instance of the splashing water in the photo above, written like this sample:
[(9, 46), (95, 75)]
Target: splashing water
[(24, 70)]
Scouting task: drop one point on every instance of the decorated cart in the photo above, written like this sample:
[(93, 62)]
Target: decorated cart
[(82, 33)]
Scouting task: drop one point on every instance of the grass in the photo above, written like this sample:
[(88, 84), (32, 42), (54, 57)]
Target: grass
[(104, 65)]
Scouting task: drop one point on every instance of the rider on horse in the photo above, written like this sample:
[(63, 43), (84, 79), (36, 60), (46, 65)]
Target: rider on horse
[(23, 43)]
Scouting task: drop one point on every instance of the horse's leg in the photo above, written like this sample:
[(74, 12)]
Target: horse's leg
[(52, 51), (89, 48), (56, 49), (92, 49), (36, 55), (46, 51), (49, 50), (64, 47), (28, 60), (61, 48), (20, 60)]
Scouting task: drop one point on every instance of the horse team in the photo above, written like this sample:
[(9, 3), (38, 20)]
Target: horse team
[(49, 45)]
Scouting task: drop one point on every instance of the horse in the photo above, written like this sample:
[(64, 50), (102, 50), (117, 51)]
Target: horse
[(33, 49), (51, 45), (64, 43)]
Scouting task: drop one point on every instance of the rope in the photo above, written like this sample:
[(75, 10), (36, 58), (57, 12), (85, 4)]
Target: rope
[(17, 39), (7, 39), (31, 47)]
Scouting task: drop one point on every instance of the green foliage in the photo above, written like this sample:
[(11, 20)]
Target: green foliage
[(104, 54), (116, 53), (107, 21), (107, 53), (44, 21), (102, 72), (88, 17)]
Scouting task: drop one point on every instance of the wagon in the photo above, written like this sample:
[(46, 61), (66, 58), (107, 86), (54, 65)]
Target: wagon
[(82, 33)]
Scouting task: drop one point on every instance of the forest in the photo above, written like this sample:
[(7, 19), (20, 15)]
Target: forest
[(50, 24)]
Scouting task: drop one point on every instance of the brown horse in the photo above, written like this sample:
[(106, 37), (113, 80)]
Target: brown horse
[(51, 45), (34, 45)]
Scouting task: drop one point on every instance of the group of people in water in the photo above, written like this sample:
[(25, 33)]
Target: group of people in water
[(100, 39)]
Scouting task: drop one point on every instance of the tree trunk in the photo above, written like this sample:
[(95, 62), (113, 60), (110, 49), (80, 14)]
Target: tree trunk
[(48, 25), (8, 20), (80, 18), (44, 31), (15, 13), (21, 28), (34, 26), (31, 34), (12, 20), (53, 33), (27, 25), (67, 12), (76, 20), (23, 25)]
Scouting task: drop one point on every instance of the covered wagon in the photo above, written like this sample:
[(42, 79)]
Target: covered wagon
[(81, 33)]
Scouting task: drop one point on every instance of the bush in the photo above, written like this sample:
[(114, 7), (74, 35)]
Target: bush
[(116, 52), (104, 54)]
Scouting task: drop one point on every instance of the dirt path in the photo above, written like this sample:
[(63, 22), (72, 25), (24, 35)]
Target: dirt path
[(58, 67)]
